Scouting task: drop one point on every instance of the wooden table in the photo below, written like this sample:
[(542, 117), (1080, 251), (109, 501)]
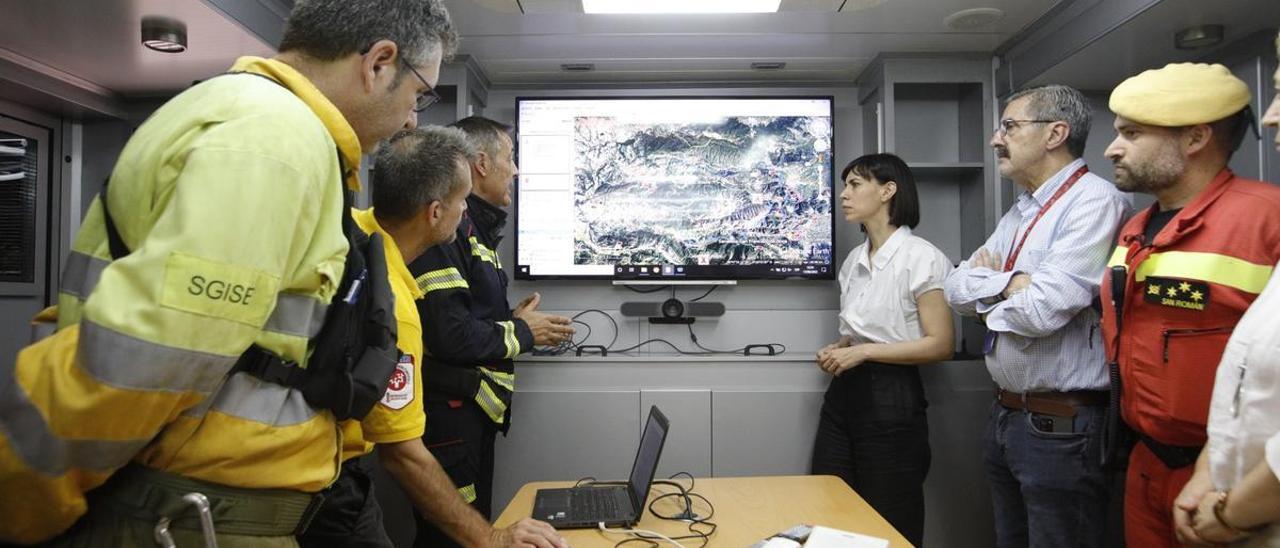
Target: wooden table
[(746, 510)]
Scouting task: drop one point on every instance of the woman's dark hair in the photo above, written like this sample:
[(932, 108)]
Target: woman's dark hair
[(904, 206)]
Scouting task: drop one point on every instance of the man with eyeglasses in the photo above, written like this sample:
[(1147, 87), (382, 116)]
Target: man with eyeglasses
[(428, 96), (1032, 283)]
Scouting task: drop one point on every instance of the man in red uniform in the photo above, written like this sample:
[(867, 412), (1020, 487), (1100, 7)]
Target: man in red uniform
[(1188, 267)]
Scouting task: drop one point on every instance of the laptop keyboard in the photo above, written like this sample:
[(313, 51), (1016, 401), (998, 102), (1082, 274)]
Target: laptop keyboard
[(594, 504)]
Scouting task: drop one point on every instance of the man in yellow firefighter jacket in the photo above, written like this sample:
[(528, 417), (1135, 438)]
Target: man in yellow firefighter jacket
[(230, 202)]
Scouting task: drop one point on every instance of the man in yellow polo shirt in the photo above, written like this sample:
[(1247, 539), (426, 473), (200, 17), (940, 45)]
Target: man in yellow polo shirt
[(420, 180)]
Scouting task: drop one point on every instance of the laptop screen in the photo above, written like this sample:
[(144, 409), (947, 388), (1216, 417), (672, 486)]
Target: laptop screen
[(655, 433)]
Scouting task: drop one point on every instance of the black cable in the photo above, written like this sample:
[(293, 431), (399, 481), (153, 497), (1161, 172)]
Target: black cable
[(663, 341), (704, 295), (571, 345), (780, 348), (686, 514)]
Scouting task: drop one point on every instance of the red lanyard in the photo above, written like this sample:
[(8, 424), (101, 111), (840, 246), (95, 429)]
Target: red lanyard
[(1013, 253)]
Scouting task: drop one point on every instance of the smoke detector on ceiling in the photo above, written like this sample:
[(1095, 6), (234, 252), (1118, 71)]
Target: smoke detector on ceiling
[(972, 19)]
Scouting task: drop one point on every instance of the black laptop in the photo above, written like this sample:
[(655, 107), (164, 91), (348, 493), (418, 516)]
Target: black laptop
[(614, 504)]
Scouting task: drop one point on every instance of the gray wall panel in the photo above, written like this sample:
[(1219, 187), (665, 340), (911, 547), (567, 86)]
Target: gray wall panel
[(688, 445), (927, 127), (566, 435), (1101, 133), (760, 433), (103, 141), (957, 498), (940, 213)]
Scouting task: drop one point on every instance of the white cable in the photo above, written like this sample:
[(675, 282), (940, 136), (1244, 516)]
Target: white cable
[(639, 533)]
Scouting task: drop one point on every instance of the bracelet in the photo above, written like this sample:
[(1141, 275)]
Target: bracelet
[(1220, 508)]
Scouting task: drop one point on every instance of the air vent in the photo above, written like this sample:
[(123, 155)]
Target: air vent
[(768, 66), (577, 67)]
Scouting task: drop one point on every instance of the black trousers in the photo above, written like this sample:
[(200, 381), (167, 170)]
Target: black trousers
[(350, 515), (462, 439), (874, 435)]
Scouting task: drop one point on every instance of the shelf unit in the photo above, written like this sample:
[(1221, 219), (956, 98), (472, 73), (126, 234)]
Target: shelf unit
[(936, 113)]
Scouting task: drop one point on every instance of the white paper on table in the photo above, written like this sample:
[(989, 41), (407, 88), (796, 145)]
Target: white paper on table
[(780, 542), (826, 537)]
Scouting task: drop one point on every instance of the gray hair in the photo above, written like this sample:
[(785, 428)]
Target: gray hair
[(330, 29), (418, 166), (483, 132), (1061, 103)]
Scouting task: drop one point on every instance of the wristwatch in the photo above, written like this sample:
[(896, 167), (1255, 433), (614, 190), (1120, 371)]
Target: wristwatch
[(994, 299), (998, 297), (1220, 508)]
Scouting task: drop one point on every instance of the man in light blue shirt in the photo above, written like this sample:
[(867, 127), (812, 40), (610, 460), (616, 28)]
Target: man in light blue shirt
[(1033, 284)]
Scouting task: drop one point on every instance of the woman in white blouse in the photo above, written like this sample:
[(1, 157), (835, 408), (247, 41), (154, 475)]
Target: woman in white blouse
[(873, 433), (1234, 494)]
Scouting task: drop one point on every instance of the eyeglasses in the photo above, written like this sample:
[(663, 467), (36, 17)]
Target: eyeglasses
[(425, 98), (1009, 124)]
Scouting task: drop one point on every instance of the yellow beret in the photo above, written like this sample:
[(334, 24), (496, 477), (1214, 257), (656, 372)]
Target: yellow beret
[(1180, 94)]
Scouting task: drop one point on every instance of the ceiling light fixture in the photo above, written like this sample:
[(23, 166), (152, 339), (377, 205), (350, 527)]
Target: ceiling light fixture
[(972, 19), (164, 34), (1199, 36), (680, 6)]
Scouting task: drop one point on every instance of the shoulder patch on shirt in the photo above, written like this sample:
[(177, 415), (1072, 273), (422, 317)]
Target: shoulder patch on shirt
[(400, 387), (1188, 294), (218, 289)]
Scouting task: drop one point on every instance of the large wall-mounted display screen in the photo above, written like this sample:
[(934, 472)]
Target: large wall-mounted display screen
[(710, 188)]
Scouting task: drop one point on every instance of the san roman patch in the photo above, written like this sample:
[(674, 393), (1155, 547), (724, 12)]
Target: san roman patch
[(400, 386), (1188, 294)]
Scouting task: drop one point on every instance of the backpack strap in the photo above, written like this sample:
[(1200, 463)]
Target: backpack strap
[(115, 244), (255, 361), (266, 365)]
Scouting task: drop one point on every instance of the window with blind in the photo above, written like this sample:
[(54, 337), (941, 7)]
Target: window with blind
[(18, 206)]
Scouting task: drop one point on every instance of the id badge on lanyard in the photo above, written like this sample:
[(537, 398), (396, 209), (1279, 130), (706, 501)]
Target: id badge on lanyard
[(989, 340)]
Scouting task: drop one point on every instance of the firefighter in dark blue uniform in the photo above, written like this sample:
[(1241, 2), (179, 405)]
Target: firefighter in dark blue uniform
[(471, 334)]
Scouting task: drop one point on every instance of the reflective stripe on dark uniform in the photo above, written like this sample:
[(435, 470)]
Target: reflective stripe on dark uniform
[(471, 339)]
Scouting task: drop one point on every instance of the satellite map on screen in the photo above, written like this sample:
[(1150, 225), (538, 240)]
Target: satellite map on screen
[(738, 191)]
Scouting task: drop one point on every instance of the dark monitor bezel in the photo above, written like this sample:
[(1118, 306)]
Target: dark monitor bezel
[(831, 267)]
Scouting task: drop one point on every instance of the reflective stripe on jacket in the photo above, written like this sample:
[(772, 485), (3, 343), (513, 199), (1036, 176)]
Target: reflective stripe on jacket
[(466, 319), (230, 198), (1185, 292)]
